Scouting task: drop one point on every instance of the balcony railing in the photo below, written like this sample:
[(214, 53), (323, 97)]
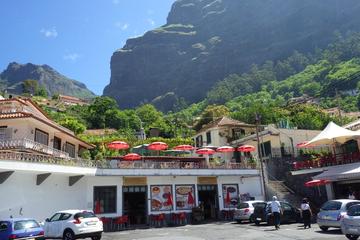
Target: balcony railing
[(23, 144), (326, 161), (48, 159)]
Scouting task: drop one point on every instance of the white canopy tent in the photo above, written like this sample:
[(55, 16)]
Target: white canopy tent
[(333, 134)]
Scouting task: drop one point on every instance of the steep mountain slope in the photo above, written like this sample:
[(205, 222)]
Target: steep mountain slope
[(54, 82), (206, 40)]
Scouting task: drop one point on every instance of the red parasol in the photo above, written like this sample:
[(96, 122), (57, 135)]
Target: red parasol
[(205, 151), (97, 209), (316, 183), (225, 149), (157, 146), (132, 157), (303, 145), (184, 147), (246, 148), (169, 201), (227, 199), (118, 145), (191, 200)]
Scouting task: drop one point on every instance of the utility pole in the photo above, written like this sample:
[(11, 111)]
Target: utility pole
[(257, 119)]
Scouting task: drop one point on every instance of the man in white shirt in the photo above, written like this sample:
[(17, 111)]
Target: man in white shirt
[(276, 211)]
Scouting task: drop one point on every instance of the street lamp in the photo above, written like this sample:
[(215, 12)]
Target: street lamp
[(257, 120)]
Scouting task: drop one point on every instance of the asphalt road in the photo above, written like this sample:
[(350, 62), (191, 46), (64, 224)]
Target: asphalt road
[(226, 231)]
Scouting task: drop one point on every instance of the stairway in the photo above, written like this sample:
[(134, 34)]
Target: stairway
[(283, 193)]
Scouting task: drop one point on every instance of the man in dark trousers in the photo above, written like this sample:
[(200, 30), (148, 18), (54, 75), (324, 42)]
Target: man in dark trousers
[(276, 211)]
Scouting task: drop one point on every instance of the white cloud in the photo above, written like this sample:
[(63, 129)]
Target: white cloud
[(73, 57), (115, 2), (151, 21), (122, 26), (49, 33)]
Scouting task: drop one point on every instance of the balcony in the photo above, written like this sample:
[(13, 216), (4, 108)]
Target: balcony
[(326, 161), (27, 144)]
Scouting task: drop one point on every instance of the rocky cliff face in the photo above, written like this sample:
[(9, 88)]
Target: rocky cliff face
[(13, 77), (206, 40)]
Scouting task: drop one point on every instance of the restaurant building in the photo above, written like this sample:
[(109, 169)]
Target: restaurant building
[(43, 174)]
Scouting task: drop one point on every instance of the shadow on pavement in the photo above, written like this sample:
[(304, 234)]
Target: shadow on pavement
[(330, 232)]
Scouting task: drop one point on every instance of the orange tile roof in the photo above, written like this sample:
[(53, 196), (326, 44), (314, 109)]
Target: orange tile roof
[(224, 121), (14, 115)]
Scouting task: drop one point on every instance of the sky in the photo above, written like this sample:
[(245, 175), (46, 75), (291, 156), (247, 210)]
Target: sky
[(75, 37)]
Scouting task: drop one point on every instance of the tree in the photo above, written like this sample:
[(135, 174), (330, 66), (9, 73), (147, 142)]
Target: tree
[(30, 86), (96, 116), (73, 124), (41, 91)]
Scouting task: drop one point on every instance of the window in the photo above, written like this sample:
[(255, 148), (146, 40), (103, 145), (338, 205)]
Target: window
[(25, 224), (56, 217), (331, 206), (70, 149), (354, 211), (105, 199), (286, 207), (3, 226), (208, 138), (41, 137), (243, 205), (350, 204), (85, 214), (57, 143), (199, 141), (65, 216)]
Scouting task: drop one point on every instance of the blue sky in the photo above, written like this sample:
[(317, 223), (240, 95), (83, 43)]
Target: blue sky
[(76, 37)]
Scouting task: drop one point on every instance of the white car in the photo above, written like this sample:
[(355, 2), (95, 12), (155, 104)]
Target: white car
[(245, 211), (350, 225), (73, 224)]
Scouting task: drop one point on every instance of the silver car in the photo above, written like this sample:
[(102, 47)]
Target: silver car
[(245, 211), (350, 225), (332, 213)]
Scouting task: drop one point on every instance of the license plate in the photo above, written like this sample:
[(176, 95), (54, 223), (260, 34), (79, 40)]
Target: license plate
[(91, 223), (353, 230)]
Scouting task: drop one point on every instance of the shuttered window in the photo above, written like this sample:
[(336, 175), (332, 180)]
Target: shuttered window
[(41, 137), (70, 149)]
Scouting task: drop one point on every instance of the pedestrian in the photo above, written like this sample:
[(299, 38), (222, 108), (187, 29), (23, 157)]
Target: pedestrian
[(276, 211), (306, 213)]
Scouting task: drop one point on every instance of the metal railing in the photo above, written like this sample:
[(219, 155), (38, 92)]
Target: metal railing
[(32, 145), (42, 158)]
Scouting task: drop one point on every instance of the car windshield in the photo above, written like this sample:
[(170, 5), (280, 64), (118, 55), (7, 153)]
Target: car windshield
[(84, 214), (25, 224), (331, 206), (243, 205), (354, 210)]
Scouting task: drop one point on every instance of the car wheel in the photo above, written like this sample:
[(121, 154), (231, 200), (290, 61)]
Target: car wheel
[(324, 228), (257, 223), (352, 237), (68, 235), (252, 218), (98, 237)]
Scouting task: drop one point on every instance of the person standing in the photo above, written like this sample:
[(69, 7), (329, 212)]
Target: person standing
[(306, 213), (276, 211)]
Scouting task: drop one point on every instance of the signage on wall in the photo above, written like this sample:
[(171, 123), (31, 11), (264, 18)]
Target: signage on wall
[(134, 181), (207, 180)]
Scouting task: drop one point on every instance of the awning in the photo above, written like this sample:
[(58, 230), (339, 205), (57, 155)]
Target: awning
[(341, 172)]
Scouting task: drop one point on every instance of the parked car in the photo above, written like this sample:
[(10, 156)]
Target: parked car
[(262, 213), (332, 212), (20, 228), (245, 211), (350, 225), (73, 224)]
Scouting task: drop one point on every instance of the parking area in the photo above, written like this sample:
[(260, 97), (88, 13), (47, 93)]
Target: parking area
[(227, 231)]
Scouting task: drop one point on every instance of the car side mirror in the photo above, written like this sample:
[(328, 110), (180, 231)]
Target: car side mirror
[(47, 220)]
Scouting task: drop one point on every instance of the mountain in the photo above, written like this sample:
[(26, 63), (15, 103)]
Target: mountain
[(205, 41), (54, 82)]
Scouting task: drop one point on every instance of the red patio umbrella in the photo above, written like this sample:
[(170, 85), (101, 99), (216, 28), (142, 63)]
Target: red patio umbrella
[(225, 149), (303, 145), (317, 182), (132, 157), (191, 200), (246, 148), (118, 145), (184, 147), (157, 146), (205, 151)]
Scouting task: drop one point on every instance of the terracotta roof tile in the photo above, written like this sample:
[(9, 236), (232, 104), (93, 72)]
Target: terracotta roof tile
[(14, 115), (224, 121)]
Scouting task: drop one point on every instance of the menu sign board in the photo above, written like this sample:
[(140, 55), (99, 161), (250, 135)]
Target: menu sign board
[(185, 197), (161, 198), (230, 195)]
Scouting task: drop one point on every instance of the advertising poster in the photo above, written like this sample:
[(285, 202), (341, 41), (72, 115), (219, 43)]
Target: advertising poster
[(230, 195), (161, 198), (185, 197)]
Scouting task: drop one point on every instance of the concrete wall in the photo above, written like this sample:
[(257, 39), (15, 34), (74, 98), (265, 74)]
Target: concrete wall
[(21, 197)]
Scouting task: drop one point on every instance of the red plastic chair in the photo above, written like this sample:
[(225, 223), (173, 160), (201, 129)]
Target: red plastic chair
[(106, 223), (182, 218), (161, 219), (175, 218)]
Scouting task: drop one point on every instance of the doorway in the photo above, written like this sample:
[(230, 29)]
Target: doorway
[(134, 204), (208, 196)]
